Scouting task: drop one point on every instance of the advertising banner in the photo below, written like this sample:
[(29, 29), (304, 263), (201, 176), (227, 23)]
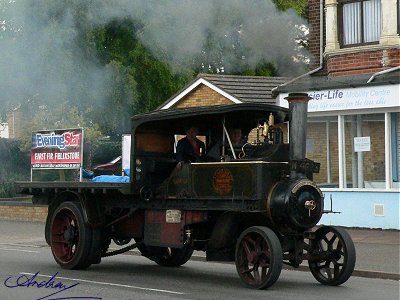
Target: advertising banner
[(57, 149), (351, 98)]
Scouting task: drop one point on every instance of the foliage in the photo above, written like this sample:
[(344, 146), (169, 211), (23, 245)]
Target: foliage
[(61, 116), (152, 81), (300, 6), (15, 165), (262, 69)]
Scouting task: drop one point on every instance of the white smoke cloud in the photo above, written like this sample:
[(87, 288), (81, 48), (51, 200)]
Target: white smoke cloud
[(40, 52), (178, 29)]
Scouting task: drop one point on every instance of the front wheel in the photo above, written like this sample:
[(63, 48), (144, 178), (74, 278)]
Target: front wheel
[(258, 257), (70, 238), (334, 255)]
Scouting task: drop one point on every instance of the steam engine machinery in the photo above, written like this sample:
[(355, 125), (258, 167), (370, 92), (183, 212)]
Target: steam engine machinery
[(254, 203)]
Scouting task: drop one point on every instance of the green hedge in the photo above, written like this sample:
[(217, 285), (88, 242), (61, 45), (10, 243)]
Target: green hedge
[(14, 166)]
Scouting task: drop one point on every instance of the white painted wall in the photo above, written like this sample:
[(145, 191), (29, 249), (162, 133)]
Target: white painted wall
[(4, 130)]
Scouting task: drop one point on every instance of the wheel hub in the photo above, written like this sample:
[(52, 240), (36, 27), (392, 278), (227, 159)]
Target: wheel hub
[(69, 233)]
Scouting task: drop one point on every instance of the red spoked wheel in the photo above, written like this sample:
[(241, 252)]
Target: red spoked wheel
[(258, 257), (70, 237)]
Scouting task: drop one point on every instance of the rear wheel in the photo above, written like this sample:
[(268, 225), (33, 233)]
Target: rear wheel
[(258, 257), (73, 243)]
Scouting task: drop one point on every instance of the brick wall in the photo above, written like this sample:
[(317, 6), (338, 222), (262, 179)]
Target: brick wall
[(363, 62), (14, 120), (202, 96), (360, 61), (22, 212), (314, 35)]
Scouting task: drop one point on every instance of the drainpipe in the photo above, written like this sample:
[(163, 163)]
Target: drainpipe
[(383, 72), (321, 40)]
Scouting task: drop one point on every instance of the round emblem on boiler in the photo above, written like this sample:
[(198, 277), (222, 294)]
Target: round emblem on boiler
[(222, 181)]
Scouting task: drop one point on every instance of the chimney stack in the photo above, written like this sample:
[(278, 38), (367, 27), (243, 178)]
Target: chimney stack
[(298, 105)]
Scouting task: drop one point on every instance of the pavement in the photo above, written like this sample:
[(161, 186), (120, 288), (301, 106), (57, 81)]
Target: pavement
[(377, 251)]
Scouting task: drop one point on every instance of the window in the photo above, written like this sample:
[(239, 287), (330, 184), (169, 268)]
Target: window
[(360, 22), (351, 150), (322, 147), (364, 155)]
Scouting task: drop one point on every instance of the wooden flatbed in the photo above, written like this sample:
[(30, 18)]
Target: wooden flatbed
[(46, 187)]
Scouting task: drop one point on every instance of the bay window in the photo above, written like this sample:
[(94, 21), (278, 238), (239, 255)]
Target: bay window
[(360, 22)]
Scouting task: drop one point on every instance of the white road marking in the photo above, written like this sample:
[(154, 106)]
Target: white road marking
[(20, 250), (22, 245), (107, 283)]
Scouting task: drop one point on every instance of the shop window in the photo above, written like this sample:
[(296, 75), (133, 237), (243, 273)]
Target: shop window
[(360, 22), (364, 151), (395, 136), (322, 147)]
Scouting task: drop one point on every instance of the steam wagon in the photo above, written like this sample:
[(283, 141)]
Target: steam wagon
[(256, 204)]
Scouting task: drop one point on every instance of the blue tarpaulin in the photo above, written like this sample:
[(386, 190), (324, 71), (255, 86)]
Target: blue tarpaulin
[(110, 178)]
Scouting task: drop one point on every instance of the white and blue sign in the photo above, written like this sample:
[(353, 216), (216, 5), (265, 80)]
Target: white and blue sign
[(351, 98)]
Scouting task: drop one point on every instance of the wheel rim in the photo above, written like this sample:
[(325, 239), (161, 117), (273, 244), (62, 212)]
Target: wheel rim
[(254, 257), (65, 235), (338, 259)]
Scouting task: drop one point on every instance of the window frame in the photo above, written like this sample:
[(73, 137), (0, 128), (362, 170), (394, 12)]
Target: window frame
[(341, 3), (398, 16)]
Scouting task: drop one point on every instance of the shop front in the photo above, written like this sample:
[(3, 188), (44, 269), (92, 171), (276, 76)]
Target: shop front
[(354, 132)]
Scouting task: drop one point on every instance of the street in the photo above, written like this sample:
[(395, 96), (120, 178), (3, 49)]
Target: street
[(23, 253)]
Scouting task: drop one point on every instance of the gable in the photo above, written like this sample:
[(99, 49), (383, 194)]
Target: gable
[(175, 100), (202, 95)]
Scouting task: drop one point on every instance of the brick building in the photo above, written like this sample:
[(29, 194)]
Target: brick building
[(209, 89), (354, 119)]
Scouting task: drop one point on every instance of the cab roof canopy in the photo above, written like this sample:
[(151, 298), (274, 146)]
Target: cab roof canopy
[(243, 115)]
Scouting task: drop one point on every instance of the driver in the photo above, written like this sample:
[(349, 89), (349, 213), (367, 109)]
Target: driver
[(190, 147), (235, 135)]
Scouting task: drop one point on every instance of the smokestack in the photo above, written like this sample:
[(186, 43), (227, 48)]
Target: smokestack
[(298, 104)]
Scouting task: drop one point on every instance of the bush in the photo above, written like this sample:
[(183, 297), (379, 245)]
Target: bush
[(15, 166)]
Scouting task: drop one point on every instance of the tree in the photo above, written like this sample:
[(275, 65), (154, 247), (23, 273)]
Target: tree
[(60, 116), (300, 6), (152, 80)]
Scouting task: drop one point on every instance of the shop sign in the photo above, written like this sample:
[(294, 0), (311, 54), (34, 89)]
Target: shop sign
[(362, 144), (57, 149), (351, 98)]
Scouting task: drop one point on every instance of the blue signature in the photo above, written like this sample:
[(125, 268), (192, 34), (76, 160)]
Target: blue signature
[(25, 281)]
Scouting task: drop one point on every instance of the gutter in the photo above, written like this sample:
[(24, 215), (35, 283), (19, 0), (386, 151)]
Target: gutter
[(383, 72), (321, 59)]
